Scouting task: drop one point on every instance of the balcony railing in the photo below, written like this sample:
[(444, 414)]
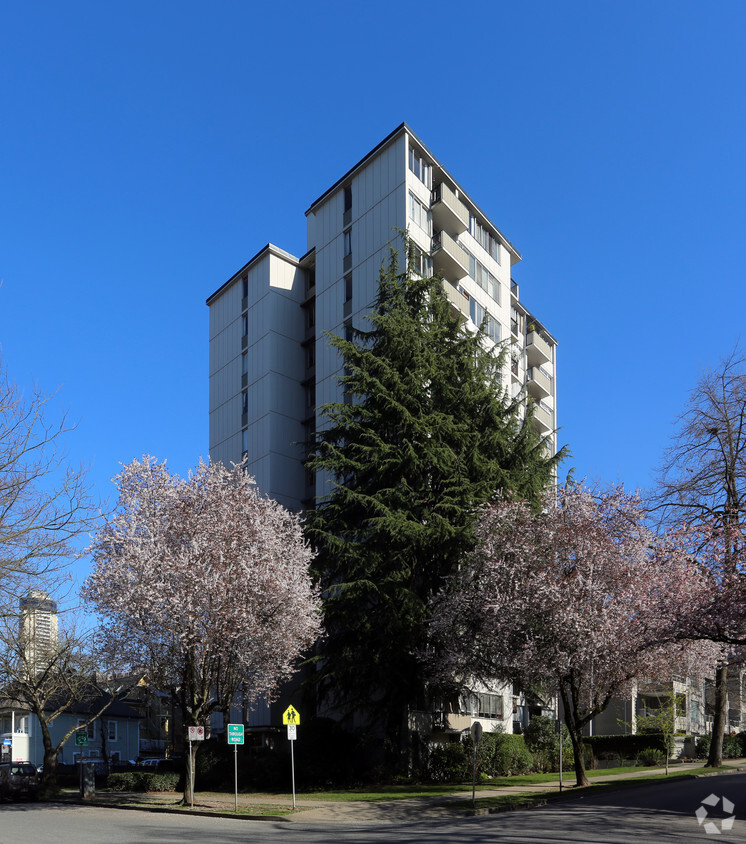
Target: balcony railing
[(457, 299), (448, 211), (539, 382), (449, 258), (542, 417), (538, 349)]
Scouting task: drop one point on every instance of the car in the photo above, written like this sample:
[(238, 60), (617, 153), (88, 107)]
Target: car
[(19, 779)]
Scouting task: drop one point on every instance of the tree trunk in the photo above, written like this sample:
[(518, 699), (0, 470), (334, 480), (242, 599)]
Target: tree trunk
[(576, 737), (191, 755), (49, 786), (715, 758)]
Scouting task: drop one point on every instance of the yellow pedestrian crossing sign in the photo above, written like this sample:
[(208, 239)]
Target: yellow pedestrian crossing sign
[(290, 716)]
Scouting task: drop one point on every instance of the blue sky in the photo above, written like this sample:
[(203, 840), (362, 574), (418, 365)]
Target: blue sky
[(147, 150)]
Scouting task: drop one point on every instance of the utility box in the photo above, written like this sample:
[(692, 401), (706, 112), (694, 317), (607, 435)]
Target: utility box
[(88, 779)]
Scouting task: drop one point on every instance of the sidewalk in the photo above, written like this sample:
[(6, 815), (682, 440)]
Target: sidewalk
[(317, 810)]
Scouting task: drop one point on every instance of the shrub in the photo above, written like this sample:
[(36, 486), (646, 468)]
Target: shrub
[(447, 762), (731, 747), (511, 757), (651, 756), (703, 747), (542, 740), (143, 781)]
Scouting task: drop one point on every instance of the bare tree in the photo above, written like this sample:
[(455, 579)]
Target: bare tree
[(702, 482), (49, 678), (44, 502)]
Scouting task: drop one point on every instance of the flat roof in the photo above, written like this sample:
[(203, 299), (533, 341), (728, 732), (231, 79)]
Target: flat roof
[(269, 249), (400, 130)]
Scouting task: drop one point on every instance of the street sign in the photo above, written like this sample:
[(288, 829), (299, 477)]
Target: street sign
[(292, 732), (196, 733), (81, 737), (476, 731), (235, 733), (291, 716)]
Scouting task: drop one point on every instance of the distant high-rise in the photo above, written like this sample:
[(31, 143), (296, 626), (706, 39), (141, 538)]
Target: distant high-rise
[(38, 623)]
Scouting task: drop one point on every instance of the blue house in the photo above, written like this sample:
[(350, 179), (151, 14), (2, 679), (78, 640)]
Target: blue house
[(113, 737)]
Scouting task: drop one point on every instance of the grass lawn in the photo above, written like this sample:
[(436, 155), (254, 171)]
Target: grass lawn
[(394, 792)]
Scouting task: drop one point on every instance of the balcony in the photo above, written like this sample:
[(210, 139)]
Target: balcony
[(538, 349), (457, 299), (538, 382), (448, 211), (543, 420), (449, 259)]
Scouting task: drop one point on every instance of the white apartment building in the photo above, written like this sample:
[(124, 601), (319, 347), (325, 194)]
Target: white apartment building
[(271, 368)]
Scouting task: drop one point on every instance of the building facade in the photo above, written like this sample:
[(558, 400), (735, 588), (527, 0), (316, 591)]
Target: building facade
[(271, 368)]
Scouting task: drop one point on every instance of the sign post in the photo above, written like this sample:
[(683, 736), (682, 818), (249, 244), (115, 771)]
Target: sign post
[(81, 740), (235, 737), (476, 735), (193, 734), (291, 718)]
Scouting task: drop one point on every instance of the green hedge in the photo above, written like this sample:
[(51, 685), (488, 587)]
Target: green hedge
[(144, 781), (498, 755), (626, 746)]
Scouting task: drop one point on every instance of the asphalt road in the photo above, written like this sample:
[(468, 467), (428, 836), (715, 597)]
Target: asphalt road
[(659, 813)]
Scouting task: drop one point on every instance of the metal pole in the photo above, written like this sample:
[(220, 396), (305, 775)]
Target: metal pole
[(560, 739), (191, 775), (474, 780), (292, 769), (235, 772)]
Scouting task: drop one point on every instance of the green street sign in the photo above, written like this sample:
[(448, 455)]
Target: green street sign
[(235, 733), (81, 737)]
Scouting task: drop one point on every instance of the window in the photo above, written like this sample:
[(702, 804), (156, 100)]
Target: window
[(311, 355), (419, 261), (310, 316), (348, 199), (419, 166), (484, 278), (90, 729), (483, 319), (347, 235), (348, 332), (310, 280), (490, 706), (22, 724), (245, 364), (245, 401), (111, 730), (484, 238), (311, 395), (348, 287), (245, 286), (419, 214), (245, 325), (244, 440)]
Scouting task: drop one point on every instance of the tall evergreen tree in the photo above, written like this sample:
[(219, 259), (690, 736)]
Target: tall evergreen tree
[(427, 433)]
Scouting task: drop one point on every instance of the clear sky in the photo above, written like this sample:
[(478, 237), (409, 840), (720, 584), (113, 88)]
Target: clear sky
[(147, 150)]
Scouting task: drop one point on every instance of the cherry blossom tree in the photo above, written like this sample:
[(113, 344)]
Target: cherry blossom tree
[(579, 598), (204, 583)]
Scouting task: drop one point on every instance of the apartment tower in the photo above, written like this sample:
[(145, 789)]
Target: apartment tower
[(271, 368)]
